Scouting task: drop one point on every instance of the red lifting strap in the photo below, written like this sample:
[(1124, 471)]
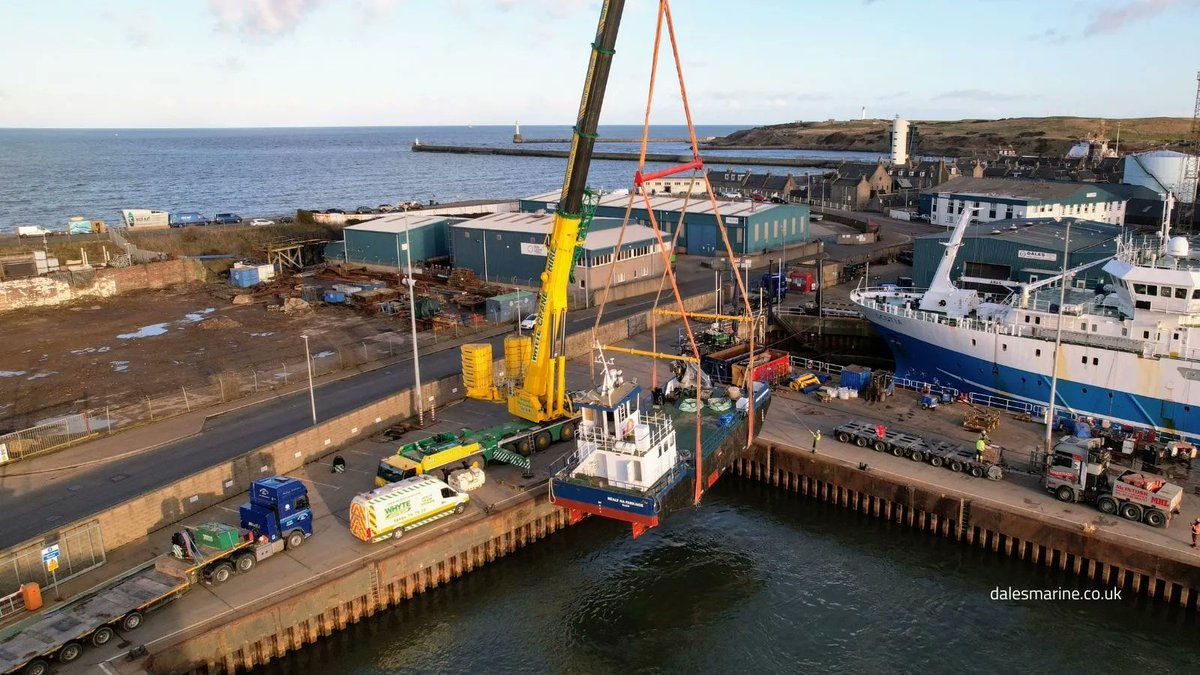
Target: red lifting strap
[(696, 164)]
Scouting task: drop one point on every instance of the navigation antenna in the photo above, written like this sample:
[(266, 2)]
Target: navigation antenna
[(1190, 171)]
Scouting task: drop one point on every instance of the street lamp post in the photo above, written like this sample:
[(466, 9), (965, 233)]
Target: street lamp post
[(312, 397), (412, 320)]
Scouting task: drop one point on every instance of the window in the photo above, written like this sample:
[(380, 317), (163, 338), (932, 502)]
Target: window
[(1164, 291), (1139, 289), (972, 342), (1004, 347), (301, 503), (1083, 360), (1181, 293), (1037, 320), (1081, 283), (1037, 352), (1095, 361), (1063, 461), (447, 493), (1026, 318), (1196, 294), (1145, 335), (581, 284), (756, 236)]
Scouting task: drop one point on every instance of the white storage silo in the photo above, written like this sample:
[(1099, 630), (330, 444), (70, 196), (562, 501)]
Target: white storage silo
[(1159, 170), (899, 141)]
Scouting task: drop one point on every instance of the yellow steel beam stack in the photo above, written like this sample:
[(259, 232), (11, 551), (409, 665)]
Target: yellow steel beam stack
[(477, 372)]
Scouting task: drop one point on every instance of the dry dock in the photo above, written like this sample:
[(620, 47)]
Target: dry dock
[(335, 580)]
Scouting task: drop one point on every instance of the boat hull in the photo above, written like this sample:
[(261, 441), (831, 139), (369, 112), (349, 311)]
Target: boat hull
[(720, 448), (1120, 386)]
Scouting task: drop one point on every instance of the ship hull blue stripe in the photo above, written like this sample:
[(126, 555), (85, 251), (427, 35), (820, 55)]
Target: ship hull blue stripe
[(920, 360)]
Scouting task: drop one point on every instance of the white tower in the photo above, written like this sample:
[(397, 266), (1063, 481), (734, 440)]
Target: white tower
[(899, 141), (863, 115)]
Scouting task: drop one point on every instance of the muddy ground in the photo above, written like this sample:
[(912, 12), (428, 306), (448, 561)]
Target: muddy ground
[(56, 360)]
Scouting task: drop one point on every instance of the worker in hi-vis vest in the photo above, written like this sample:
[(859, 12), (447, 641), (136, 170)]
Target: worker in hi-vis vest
[(816, 439), (979, 446)]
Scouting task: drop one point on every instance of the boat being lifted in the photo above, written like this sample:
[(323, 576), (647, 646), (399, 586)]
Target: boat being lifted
[(627, 463)]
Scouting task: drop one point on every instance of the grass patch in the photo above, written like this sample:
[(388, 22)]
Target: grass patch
[(241, 241)]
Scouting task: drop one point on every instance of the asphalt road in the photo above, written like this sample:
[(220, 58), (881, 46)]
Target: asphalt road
[(72, 495)]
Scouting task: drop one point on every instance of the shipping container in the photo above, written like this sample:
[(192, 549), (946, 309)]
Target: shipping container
[(510, 306), (856, 377)]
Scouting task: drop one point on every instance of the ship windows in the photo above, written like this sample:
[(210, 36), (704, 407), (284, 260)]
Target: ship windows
[(1084, 390), (1037, 320), (1026, 318), (1004, 347), (1037, 352), (1181, 294), (1143, 289), (1095, 361), (1083, 360), (1145, 335), (1196, 294)]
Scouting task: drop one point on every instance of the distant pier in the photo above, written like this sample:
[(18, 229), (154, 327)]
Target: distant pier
[(670, 158), (527, 141)]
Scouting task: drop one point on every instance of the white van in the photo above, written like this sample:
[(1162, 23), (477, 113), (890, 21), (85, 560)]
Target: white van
[(392, 510)]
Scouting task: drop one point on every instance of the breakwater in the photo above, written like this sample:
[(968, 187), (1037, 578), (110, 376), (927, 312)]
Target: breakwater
[(669, 158)]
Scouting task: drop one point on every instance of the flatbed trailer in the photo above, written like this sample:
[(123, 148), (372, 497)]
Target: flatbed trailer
[(903, 444), (61, 633)]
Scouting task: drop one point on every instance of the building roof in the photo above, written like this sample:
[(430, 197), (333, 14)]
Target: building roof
[(395, 223), (533, 223), (634, 234), (664, 202), (1018, 188), (1127, 191), (857, 170), (1044, 233)]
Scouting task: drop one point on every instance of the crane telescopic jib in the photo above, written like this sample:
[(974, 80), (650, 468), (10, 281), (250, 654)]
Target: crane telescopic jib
[(542, 397)]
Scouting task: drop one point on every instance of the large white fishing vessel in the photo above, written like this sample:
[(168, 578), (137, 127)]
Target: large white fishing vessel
[(1129, 350)]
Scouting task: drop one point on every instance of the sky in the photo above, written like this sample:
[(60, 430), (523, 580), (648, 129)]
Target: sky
[(256, 63)]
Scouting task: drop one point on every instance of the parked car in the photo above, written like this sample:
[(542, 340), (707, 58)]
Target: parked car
[(905, 257), (188, 218), (919, 218), (227, 219), (778, 200), (287, 219), (364, 209), (817, 217), (758, 198), (331, 211), (529, 322), (259, 222), (384, 208), (729, 195)]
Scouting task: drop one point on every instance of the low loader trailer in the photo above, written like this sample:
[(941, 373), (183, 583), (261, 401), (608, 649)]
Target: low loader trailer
[(918, 449), (276, 518)]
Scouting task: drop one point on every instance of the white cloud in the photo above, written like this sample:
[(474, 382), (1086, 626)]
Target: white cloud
[(269, 18), (1117, 17)]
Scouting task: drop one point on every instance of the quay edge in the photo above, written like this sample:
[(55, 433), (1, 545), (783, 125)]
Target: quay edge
[(242, 640), (986, 523)]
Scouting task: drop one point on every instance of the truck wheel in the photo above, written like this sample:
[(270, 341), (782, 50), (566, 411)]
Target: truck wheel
[(397, 533), (860, 442), (295, 539), (524, 448), (131, 621), (37, 667), (566, 432), (221, 573), (1131, 511), (1065, 493), (542, 440), (245, 562), (102, 636), (1155, 518), (956, 465), (977, 471), (937, 460), (879, 446), (843, 437), (897, 450), (69, 652), (460, 507), (1107, 505), (917, 456)]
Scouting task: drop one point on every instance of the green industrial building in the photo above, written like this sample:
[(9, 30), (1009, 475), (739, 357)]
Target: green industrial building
[(382, 242), (1024, 251), (753, 227)]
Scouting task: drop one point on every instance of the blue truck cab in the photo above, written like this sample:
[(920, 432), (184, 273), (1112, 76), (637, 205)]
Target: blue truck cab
[(278, 509), (188, 218)]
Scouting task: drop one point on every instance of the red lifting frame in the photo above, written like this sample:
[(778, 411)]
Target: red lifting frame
[(696, 164)]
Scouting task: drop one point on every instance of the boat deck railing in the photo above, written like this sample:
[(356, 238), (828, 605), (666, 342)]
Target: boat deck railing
[(596, 439)]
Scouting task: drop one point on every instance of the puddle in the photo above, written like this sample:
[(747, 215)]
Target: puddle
[(321, 355), (45, 373), (262, 334), (11, 373), (145, 331), (199, 316), (120, 366)]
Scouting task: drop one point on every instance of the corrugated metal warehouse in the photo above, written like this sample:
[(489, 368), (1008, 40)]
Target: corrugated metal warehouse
[(754, 227), (511, 248), (1018, 250), (378, 242)]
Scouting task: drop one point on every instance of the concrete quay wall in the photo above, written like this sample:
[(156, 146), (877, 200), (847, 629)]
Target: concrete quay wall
[(977, 522)]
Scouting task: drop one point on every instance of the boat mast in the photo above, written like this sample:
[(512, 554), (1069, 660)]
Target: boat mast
[(1062, 298), (943, 296)]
